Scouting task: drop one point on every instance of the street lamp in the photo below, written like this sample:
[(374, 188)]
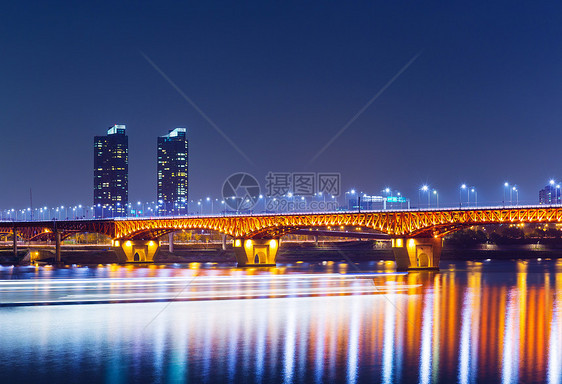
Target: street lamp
[(212, 206), (425, 188), (463, 186), (514, 189), (260, 197), (556, 190), (552, 182), (506, 186), (436, 197), (352, 192), (473, 190)]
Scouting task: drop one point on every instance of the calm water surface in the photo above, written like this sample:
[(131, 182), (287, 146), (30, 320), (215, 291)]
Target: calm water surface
[(495, 321)]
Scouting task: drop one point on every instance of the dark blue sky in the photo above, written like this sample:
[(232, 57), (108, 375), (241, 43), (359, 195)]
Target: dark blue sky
[(481, 104)]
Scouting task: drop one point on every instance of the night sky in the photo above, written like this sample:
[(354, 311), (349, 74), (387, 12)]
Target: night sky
[(481, 104)]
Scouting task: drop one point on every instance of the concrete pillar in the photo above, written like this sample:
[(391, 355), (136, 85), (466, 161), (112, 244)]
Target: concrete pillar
[(15, 242), (224, 242), (142, 251), (316, 240), (57, 247), (171, 242), (256, 252), (417, 253)]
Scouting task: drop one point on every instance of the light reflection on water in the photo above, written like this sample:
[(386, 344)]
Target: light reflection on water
[(471, 322)]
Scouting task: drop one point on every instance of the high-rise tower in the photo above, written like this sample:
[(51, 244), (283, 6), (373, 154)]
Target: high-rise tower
[(111, 169), (172, 183)]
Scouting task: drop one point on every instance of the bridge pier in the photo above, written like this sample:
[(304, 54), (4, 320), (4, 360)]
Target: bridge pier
[(171, 242), (15, 242), (256, 252), (417, 253), (131, 251), (58, 258)]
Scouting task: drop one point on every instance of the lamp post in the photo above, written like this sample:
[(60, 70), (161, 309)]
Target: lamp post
[(436, 197), (212, 207), (290, 205), (517, 193), (463, 186), (473, 190), (352, 192), (425, 188), (505, 187), (552, 189), (388, 192)]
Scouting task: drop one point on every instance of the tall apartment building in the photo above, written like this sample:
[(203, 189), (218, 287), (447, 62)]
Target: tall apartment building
[(550, 195), (172, 183), (111, 169)]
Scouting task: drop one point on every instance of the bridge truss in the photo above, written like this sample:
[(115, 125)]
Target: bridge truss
[(404, 223)]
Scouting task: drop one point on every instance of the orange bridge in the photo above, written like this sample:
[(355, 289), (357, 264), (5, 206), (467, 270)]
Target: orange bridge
[(416, 234)]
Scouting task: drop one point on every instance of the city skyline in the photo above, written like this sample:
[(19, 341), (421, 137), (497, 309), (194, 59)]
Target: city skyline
[(477, 105), (177, 184)]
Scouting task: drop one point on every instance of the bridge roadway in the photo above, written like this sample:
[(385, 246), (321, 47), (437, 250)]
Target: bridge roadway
[(416, 235)]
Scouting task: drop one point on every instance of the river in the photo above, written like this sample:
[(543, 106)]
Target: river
[(490, 321)]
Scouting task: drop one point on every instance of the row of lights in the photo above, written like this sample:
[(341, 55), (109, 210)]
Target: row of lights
[(76, 213), (513, 189)]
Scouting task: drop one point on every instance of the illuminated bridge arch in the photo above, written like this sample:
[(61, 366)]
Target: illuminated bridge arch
[(145, 229), (406, 223)]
